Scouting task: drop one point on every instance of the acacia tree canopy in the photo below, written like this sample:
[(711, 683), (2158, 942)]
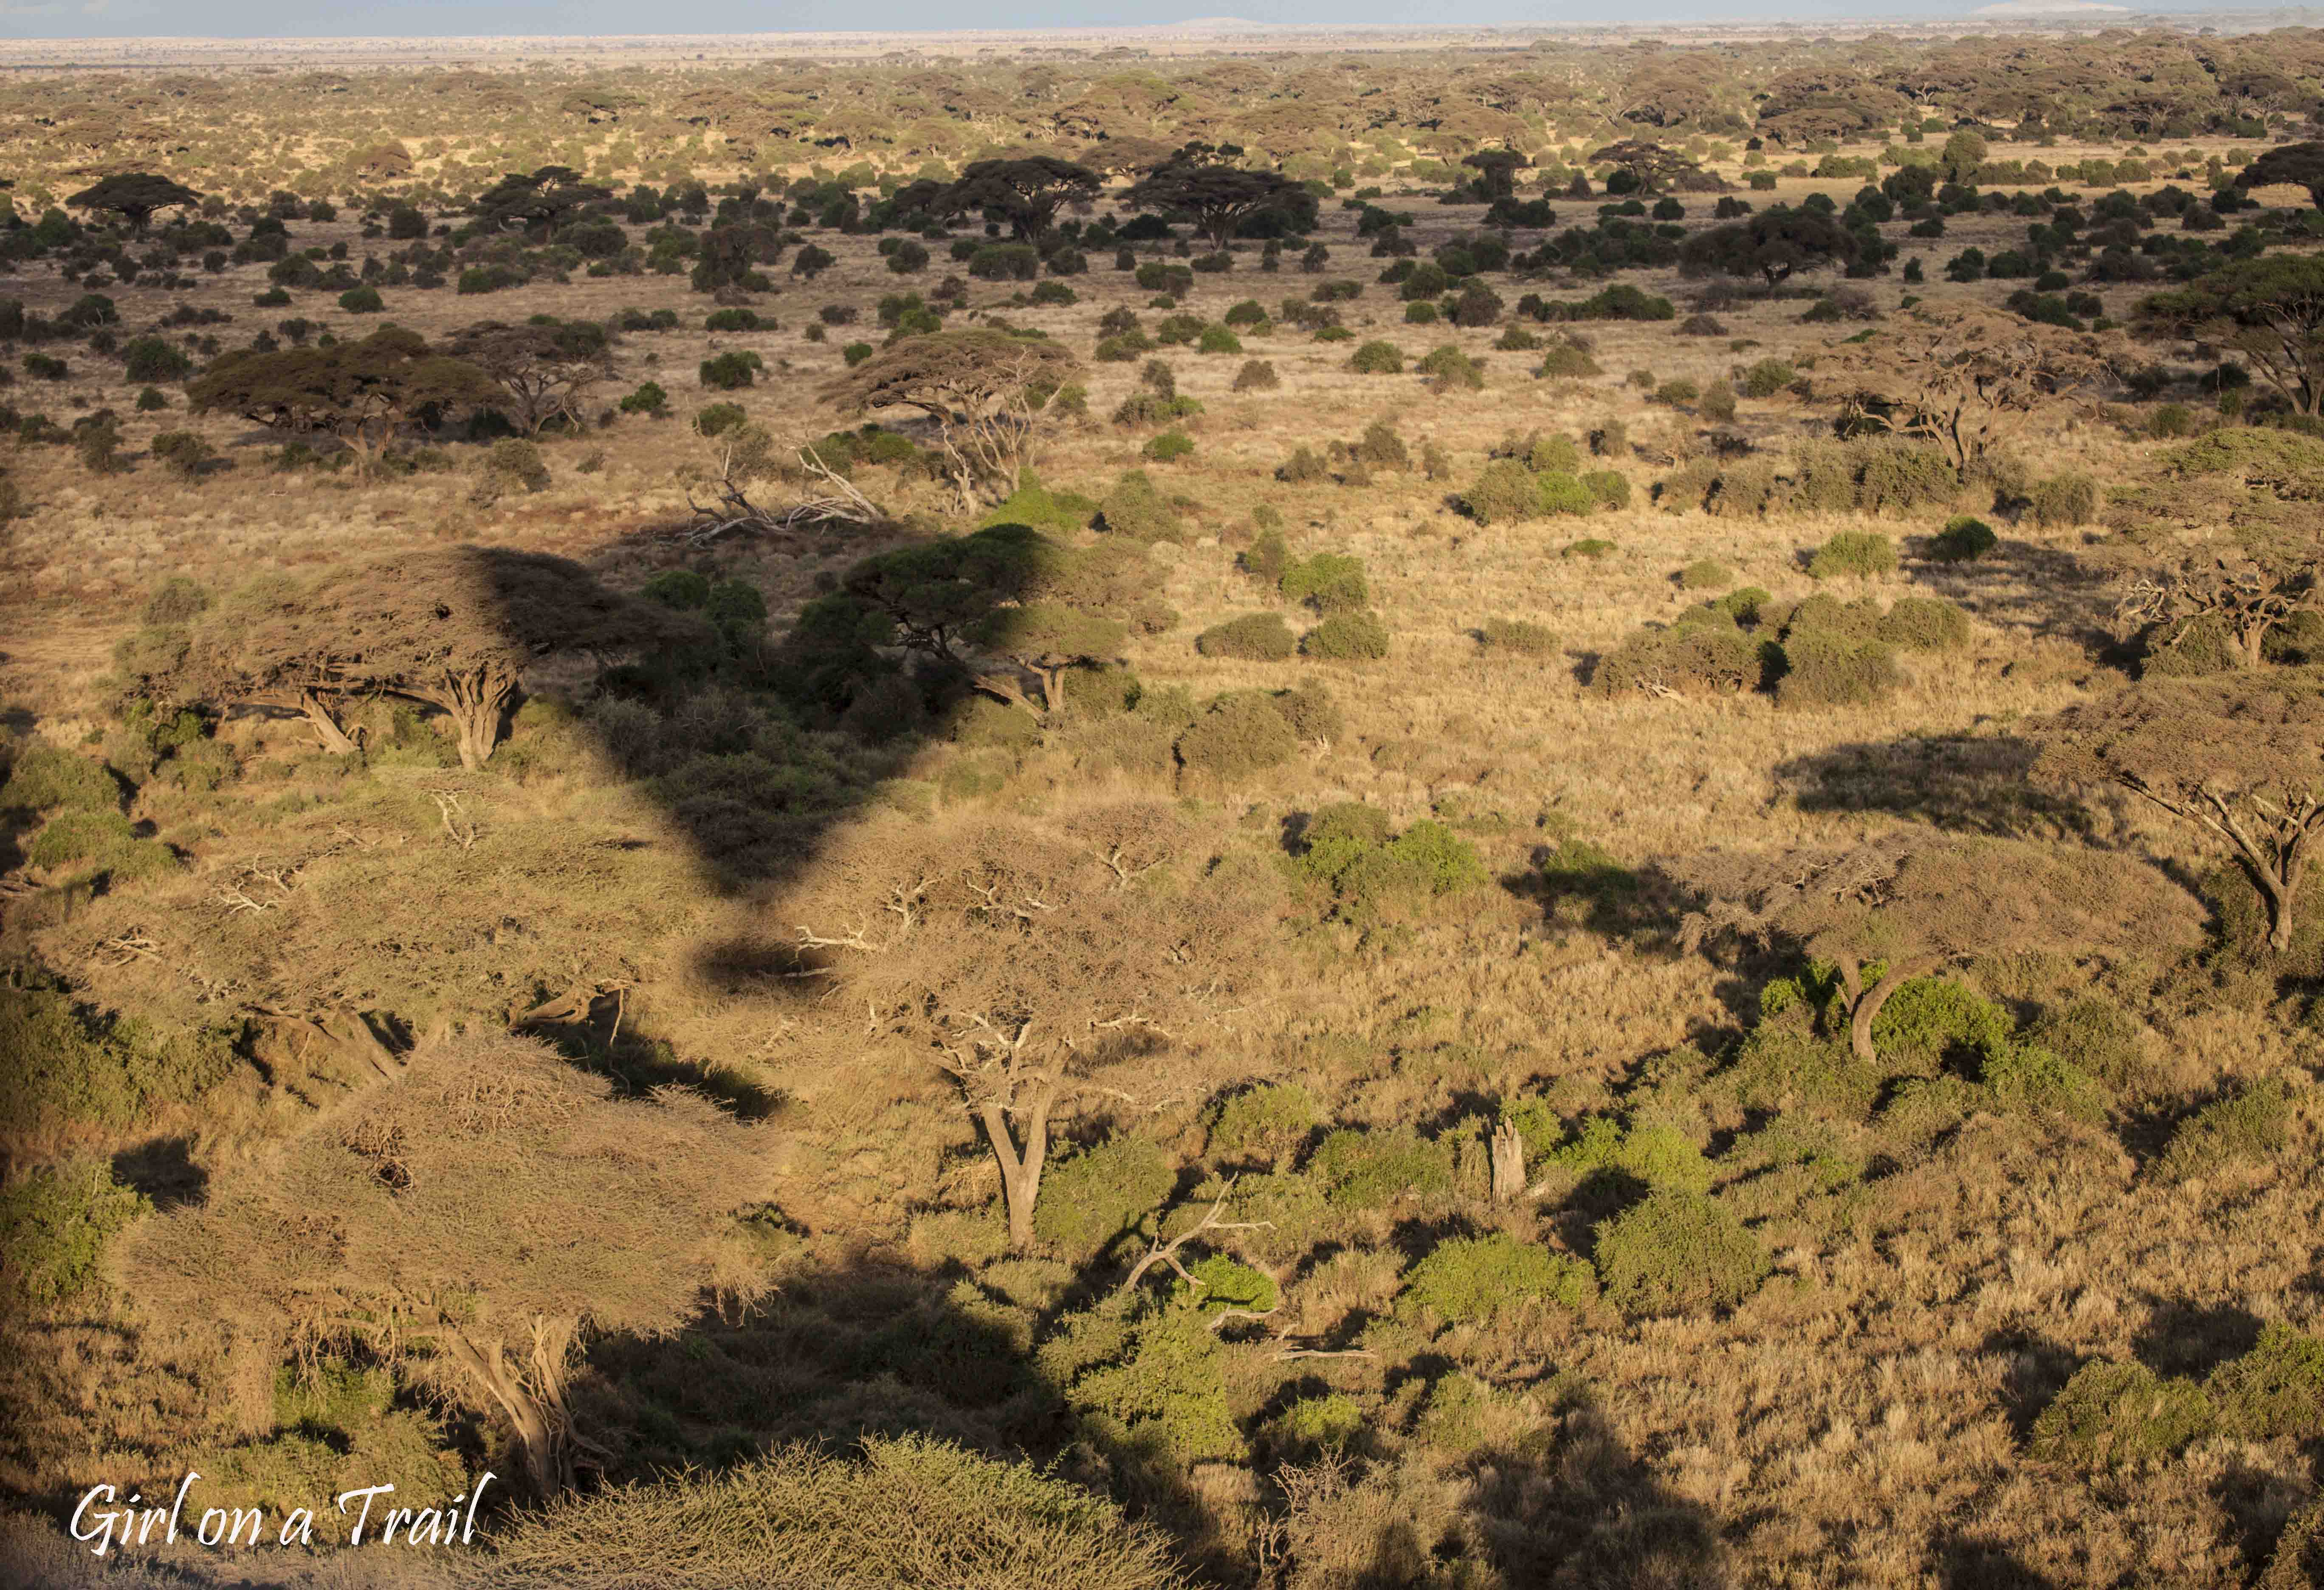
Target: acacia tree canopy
[(1028, 190), (980, 385), (2270, 309), (454, 629), (2299, 164), (468, 1216), (361, 391), (135, 196), (1966, 377), (2237, 754), (1220, 197), (547, 370), (1916, 901), (1772, 244)]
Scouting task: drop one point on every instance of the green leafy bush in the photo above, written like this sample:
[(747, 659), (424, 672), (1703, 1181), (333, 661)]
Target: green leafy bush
[(1090, 1200), (1151, 1384), (54, 1223), (1377, 358), (1168, 448), (1256, 375), (1826, 670), (2120, 1414), (1560, 493), (1218, 339), (1269, 1121), (1924, 624), (1928, 1018), (1474, 1278), (1259, 637), (731, 371), (1696, 660), (1859, 554), (1609, 486), (1555, 452), (1678, 1252), (1448, 369), (1241, 735), (2064, 500), (1369, 1169), (2274, 1391), (1503, 494), (1222, 1282), (46, 779), (2028, 1080), (1346, 637), (2095, 1035), (1657, 1156), (2253, 1124), (1517, 637), (1705, 574), (1964, 539), (1136, 508), (68, 1064), (1590, 546), (1328, 582)]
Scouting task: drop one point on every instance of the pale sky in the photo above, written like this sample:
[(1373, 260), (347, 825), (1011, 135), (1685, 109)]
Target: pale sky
[(303, 19)]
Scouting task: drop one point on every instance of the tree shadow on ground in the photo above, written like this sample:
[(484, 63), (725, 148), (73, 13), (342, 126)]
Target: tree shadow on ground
[(2039, 1371), (2194, 1338), (1963, 783), (1583, 1511), (2042, 592), (1963, 1562)]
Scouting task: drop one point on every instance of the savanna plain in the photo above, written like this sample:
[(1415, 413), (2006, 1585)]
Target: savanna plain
[(1476, 817)]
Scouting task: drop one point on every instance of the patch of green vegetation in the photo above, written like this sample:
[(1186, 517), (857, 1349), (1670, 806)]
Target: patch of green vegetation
[(1370, 1170), (1090, 1200), (1474, 1278), (54, 1223), (1678, 1252)]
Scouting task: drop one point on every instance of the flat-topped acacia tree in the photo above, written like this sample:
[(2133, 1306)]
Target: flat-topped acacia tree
[(1219, 195), (1028, 189), (469, 1219), (454, 629), (2240, 755), (984, 389), (133, 196), (1916, 901), (1773, 244), (361, 392), (2269, 310), (546, 370)]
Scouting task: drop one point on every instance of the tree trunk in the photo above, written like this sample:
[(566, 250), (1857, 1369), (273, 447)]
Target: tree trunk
[(1860, 1026), (1053, 690), (326, 724), (1507, 1149), (542, 1425), (477, 700), (1020, 1169)]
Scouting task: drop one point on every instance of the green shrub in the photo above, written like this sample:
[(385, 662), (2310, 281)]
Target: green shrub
[(1825, 670), (2028, 1080), (1256, 375), (1346, 637), (1609, 486), (1567, 361), (1503, 494), (1555, 452), (1327, 1421), (54, 1223), (1241, 735), (1168, 448), (1699, 660), (1377, 358), (1136, 508), (1369, 1169), (1218, 339), (154, 358), (1311, 712), (1964, 539), (1927, 1019), (1474, 1278), (45, 778), (1259, 637), (1859, 552), (1269, 1121), (1924, 624), (1564, 494), (1744, 605), (1784, 1066), (2253, 1124), (731, 371), (1705, 574), (1767, 376), (715, 419), (2274, 1391), (1090, 1200), (681, 589), (1151, 1384), (1448, 369), (1902, 477), (1517, 637), (1659, 1157), (2096, 1036), (1222, 1282), (362, 300), (649, 399), (1676, 393), (2113, 1414), (68, 1064), (1678, 1252), (73, 836), (1328, 582), (2064, 500), (1590, 546)]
